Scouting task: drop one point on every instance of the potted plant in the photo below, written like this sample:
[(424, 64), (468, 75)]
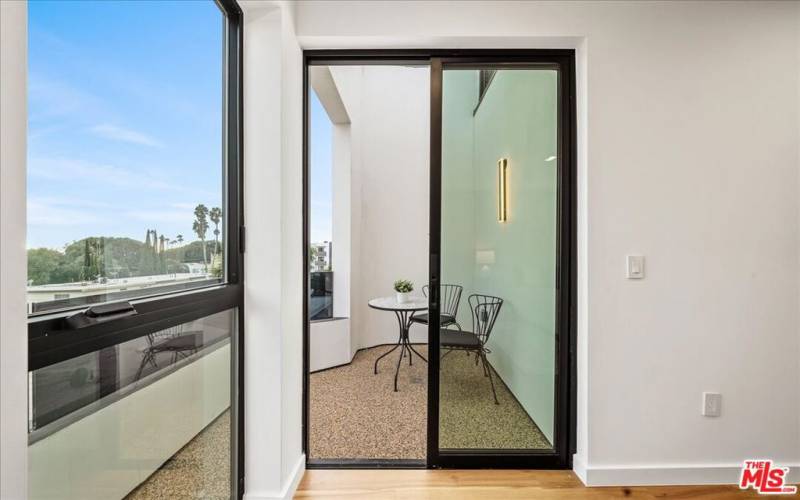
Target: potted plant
[(403, 289)]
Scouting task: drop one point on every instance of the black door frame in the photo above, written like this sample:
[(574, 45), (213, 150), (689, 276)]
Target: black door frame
[(565, 374), (566, 382)]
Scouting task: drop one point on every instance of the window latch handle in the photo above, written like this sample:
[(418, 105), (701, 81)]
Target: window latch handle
[(100, 314)]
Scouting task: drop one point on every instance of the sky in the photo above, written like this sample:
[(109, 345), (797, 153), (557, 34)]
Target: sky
[(124, 118), (320, 187)]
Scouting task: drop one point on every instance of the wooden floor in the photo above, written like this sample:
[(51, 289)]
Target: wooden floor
[(485, 484)]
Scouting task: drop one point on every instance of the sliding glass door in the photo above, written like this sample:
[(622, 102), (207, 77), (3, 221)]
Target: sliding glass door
[(500, 246)]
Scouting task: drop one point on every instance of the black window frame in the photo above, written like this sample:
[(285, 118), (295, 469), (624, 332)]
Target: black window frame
[(51, 341)]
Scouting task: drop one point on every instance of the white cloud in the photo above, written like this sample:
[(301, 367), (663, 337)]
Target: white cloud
[(185, 206), (156, 216), (116, 133), (98, 174), (57, 212)]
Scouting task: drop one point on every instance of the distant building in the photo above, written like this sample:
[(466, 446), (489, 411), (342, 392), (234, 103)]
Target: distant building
[(64, 291), (321, 256)]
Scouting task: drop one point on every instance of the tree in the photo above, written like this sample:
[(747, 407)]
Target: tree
[(93, 259), (156, 265), (179, 238), (216, 217), (200, 226), (162, 263), (44, 266)]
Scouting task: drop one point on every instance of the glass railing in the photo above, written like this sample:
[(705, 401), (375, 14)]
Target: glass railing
[(138, 419), (320, 303)]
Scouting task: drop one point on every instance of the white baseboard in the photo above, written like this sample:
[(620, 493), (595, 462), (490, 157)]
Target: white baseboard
[(288, 490), (637, 475), (579, 468), (294, 479)]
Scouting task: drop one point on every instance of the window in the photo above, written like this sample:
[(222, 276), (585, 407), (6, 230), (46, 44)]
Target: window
[(125, 151), (134, 169)]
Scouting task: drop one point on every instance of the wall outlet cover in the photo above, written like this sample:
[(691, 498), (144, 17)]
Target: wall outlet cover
[(712, 404)]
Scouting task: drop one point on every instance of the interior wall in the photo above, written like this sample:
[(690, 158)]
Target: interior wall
[(389, 132), (688, 155), (13, 262), (273, 82)]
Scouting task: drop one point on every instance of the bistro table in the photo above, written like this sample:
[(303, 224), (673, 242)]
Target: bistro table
[(403, 311)]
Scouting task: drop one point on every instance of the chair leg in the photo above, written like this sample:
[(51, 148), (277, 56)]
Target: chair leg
[(491, 380), (485, 372), (445, 354)]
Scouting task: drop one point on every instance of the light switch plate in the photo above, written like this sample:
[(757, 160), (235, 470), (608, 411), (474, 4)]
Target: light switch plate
[(712, 404), (634, 267)]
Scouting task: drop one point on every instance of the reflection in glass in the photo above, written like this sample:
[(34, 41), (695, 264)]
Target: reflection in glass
[(149, 417), (499, 220)]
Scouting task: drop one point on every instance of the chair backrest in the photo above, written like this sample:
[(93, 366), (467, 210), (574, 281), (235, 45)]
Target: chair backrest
[(167, 333), (449, 298), (485, 309)]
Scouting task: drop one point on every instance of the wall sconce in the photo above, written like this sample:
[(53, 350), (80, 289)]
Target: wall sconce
[(502, 190)]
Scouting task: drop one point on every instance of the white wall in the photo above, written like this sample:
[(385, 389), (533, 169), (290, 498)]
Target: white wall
[(329, 344), (389, 133), (688, 130), (342, 221), (274, 255), (13, 266)]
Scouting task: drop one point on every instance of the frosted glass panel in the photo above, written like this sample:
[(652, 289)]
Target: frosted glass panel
[(499, 244)]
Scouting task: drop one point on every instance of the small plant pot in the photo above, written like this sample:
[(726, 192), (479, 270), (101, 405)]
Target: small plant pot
[(403, 297)]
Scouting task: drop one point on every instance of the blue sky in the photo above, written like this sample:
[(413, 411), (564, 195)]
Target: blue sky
[(124, 118), (320, 144)]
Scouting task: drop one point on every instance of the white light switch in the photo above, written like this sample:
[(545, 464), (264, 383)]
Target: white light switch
[(635, 267), (712, 404)]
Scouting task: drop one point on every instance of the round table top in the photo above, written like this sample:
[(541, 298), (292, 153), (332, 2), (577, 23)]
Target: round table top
[(391, 304)]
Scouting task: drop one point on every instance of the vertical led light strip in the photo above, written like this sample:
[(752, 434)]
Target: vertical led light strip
[(502, 190)]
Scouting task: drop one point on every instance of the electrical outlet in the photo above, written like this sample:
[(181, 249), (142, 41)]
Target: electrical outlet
[(712, 404)]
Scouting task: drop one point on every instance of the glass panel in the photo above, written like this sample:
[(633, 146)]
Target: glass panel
[(320, 214), (499, 226), (125, 166), (147, 418)]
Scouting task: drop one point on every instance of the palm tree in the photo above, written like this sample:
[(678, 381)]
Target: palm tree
[(179, 239), (200, 226), (216, 217)]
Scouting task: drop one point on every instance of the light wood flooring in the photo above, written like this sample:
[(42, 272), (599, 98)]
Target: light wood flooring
[(486, 484)]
